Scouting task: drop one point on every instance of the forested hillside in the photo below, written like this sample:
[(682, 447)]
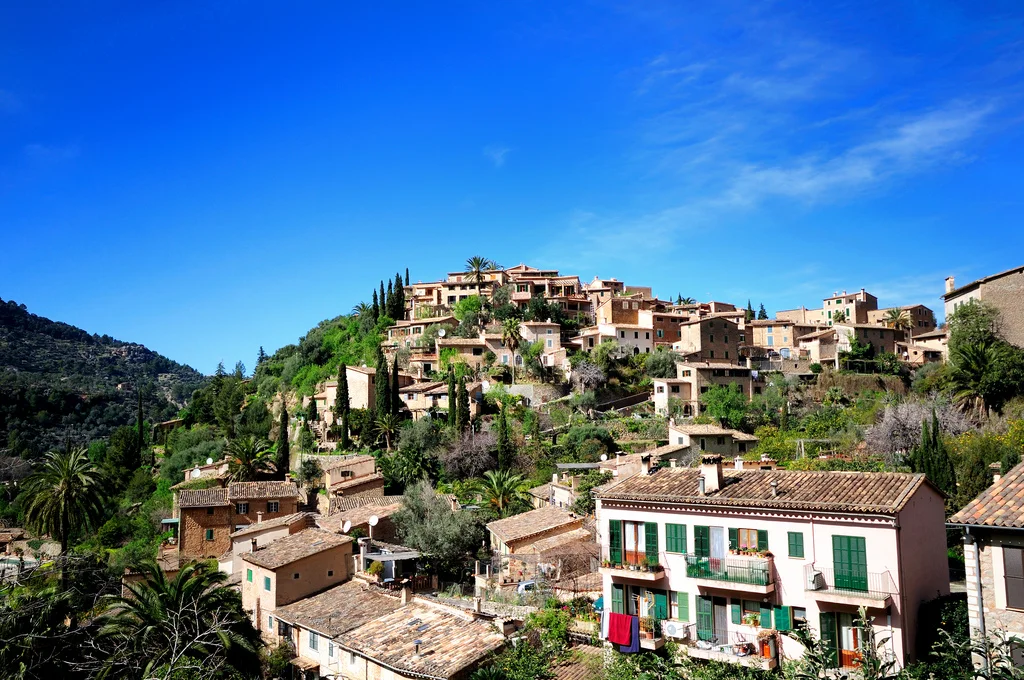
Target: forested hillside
[(57, 380)]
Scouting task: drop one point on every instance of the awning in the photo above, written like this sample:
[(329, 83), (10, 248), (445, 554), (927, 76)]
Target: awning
[(171, 520), (304, 664)]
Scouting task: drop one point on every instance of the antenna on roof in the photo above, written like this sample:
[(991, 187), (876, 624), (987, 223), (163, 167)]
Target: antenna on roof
[(346, 526)]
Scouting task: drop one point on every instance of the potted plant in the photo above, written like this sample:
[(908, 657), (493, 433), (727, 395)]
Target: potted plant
[(375, 569), (647, 627), (752, 619)]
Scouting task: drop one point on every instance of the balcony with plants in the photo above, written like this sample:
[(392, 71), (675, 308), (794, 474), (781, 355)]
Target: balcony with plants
[(638, 567), (751, 571)]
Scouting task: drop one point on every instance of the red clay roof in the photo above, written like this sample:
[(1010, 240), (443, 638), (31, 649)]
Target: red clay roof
[(1000, 505)]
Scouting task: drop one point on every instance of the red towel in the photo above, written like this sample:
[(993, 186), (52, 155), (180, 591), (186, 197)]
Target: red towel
[(619, 628)]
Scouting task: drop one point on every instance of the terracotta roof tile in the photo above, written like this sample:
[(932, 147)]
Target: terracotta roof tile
[(339, 609), (249, 490), (531, 523), (202, 498), (286, 520), (295, 547), (1000, 505), (876, 492)]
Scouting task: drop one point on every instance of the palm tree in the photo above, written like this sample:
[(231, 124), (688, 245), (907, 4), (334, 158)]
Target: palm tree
[(839, 317), (173, 627), (475, 268), (362, 309), (249, 458), (970, 367), (687, 301), (504, 490), (898, 319), (387, 427), (65, 494), (512, 338)]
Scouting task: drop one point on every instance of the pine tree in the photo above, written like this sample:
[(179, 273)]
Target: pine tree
[(462, 410), (407, 276), (375, 307), (749, 315), (283, 448), (396, 398), (220, 372), (261, 357), (761, 314), (452, 405), (382, 396), (342, 407)]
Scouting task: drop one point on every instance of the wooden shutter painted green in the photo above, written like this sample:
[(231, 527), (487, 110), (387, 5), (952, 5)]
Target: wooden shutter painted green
[(705, 618), (766, 615), (660, 604), (651, 540), (783, 618), (796, 544), (615, 541), (675, 538), (762, 540), (736, 611), (702, 541), (617, 599), (734, 539), (850, 561), (828, 637), (683, 605)]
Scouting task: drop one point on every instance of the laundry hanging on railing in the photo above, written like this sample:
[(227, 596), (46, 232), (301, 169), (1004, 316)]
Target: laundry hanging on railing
[(620, 628), (634, 637)]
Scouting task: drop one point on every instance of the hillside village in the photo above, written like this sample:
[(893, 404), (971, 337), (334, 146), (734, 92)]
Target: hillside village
[(511, 472)]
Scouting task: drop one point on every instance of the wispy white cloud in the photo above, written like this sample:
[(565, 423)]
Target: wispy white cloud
[(496, 154)]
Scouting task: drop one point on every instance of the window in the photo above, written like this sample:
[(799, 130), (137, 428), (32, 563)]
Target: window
[(675, 389), (549, 343), (478, 351), (712, 353), (799, 617), (242, 508), (1013, 570), (314, 640), (273, 506), (726, 339), (248, 575), (209, 511), (550, 331), (330, 573), (622, 334), (330, 650), (209, 534), (679, 606), (661, 333), (675, 538), (703, 443), (266, 583), (351, 658), (295, 576), (711, 338), (636, 335), (748, 539), (270, 623), (661, 389), (796, 544), (504, 357), (726, 354), (721, 441)]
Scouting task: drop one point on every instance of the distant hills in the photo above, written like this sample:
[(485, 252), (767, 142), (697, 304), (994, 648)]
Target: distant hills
[(57, 380)]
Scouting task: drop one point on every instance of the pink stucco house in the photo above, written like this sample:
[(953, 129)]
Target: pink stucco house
[(725, 560)]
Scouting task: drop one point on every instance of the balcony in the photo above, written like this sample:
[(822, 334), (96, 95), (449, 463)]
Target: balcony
[(633, 572), (867, 589), (736, 572), (730, 646)]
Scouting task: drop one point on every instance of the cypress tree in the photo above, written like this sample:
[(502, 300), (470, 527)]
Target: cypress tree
[(311, 414), (452, 405), (383, 300), (407, 276), (382, 396), (342, 406), (749, 315), (462, 411), (390, 306), (396, 399), (399, 298), (142, 437), (375, 307), (283, 449)]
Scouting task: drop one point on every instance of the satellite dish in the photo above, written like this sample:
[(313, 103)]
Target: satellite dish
[(196, 473), (604, 457), (373, 520), (441, 332), (209, 461), (346, 526)]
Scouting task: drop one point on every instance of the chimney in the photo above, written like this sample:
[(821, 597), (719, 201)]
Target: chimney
[(950, 284), (711, 471), (476, 605), (738, 462), (416, 645), (645, 465), (259, 518), (554, 478), (252, 545), (406, 595), (700, 485), (775, 488), (672, 462)]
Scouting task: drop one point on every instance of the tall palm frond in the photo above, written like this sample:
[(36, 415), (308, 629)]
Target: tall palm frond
[(512, 337), (504, 490), (475, 268), (387, 427), (898, 319), (248, 458), (361, 309), (971, 366), (64, 494)]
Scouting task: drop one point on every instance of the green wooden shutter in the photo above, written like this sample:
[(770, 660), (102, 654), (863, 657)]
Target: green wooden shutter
[(615, 541), (651, 540), (683, 605), (850, 561), (762, 540), (660, 604), (675, 538), (766, 615), (736, 611), (617, 599), (705, 618), (796, 544), (734, 539), (702, 541), (783, 618), (828, 637)]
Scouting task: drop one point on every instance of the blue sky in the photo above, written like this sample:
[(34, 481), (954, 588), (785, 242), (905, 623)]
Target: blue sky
[(206, 178)]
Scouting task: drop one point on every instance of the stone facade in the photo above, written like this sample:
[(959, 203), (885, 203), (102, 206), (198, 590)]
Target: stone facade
[(993, 591), (192, 531)]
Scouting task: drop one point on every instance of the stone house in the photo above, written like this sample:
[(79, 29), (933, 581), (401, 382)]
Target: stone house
[(358, 519), (290, 569), (361, 392), (922, 319), (709, 339), (261, 534), (1003, 291), (514, 533), (741, 555), (208, 517), (407, 332), (993, 531), (693, 379), (699, 439)]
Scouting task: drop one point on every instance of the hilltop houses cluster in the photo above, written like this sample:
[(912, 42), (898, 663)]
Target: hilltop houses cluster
[(694, 541)]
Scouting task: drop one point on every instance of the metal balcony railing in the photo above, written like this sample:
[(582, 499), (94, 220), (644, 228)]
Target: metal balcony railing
[(855, 582), (755, 571)]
